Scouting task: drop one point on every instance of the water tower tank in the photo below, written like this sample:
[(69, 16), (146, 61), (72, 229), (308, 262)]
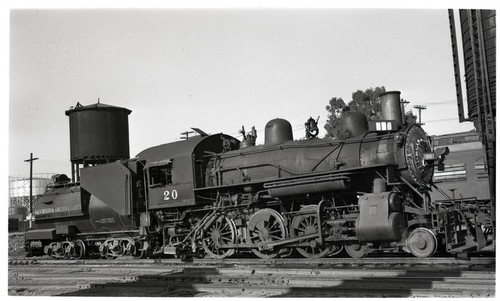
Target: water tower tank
[(98, 133)]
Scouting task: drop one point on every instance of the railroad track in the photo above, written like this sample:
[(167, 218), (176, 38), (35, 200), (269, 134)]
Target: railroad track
[(371, 261), (366, 278)]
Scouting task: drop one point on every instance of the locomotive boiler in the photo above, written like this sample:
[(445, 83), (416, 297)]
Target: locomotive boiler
[(213, 195)]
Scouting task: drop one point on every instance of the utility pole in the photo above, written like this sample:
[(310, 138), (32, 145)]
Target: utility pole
[(30, 160), (404, 103), (186, 134), (403, 113), (420, 108)]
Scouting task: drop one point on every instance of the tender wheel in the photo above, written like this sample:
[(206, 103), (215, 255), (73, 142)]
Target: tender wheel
[(422, 242), (106, 253), (114, 248), (356, 250), (221, 231), (80, 250), (264, 227), (141, 249), (308, 224), (56, 250)]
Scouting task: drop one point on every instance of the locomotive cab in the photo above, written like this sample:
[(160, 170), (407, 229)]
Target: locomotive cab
[(172, 170)]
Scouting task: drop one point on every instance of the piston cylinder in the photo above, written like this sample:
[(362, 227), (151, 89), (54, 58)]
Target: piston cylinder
[(377, 221)]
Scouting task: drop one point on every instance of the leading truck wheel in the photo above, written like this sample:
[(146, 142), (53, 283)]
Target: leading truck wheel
[(422, 243), (356, 250)]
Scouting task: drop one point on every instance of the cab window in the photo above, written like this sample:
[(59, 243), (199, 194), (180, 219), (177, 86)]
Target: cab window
[(160, 175)]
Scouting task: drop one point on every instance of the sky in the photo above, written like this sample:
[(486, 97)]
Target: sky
[(215, 69)]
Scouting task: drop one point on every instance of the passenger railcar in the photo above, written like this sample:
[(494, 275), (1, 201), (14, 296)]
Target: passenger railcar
[(463, 183)]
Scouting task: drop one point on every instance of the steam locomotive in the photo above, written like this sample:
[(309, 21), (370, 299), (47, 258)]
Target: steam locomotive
[(216, 196)]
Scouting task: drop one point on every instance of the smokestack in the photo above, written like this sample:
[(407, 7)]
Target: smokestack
[(390, 103)]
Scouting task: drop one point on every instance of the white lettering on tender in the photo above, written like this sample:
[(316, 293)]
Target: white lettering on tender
[(59, 209)]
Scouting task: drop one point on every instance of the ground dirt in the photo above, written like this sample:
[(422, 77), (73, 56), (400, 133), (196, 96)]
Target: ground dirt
[(16, 245)]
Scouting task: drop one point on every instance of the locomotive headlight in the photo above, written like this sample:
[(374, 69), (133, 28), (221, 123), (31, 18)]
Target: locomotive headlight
[(441, 153)]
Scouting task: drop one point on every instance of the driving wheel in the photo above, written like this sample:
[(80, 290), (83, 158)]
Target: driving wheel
[(266, 226), (221, 231), (305, 224), (356, 250)]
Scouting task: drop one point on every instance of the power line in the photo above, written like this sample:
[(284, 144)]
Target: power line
[(52, 162), (444, 119), (445, 102)]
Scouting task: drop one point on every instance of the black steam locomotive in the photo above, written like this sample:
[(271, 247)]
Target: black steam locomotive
[(212, 195)]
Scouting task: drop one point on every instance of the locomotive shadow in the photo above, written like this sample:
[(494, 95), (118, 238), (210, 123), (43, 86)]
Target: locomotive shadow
[(187, 282), (163, 284), (401, 286)]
